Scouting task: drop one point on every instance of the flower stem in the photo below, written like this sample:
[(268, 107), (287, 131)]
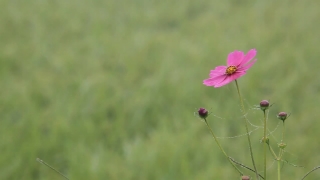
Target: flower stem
[(280, 154), (318, 167), (248, 135), (279, 168), (272, 152), (42, 162), (265, 144), (225, 154), (278, 159), (283, 129)]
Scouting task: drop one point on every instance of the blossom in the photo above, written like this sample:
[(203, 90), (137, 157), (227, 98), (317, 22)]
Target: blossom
[(237, 65)]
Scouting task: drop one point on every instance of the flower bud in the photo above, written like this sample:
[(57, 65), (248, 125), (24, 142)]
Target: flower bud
[(245, 178), (282, 145), (264, 105), (203, 113), (264, 140), (282, 116)]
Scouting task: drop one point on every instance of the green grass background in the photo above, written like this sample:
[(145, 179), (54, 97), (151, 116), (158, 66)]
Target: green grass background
[(107, 89)]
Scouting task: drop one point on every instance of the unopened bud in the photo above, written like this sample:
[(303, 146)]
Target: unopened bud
[(264, 105), (203, 113), (282, 145), (264, 140), (282, 116), (245, 178)]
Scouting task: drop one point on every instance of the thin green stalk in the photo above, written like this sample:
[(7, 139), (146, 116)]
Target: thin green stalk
[(248, 135), (42, 162), (244, 166), (280, 154), (310, 172), (279, 163), (279, 169), (265, 144), (278, 159), (283, 129), (273, 153), (215, 138)]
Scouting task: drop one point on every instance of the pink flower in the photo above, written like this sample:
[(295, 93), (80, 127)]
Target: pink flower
[(237, 65)]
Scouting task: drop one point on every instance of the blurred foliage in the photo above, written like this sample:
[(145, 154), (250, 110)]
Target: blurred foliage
[(107, 89)]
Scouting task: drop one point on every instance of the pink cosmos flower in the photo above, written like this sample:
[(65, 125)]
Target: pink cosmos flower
[(237, 65)]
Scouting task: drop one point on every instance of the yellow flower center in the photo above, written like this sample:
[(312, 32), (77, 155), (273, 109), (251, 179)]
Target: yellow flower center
[(231, 69)]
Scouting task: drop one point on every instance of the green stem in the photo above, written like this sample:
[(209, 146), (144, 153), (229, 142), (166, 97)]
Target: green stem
[(265, 144), (278, 159), (279, 163), (280, 154), (279, 168), (42, 162), (318, 167), (225, 154), (244, 166), (283, 129), (273, 153), (248, 135)]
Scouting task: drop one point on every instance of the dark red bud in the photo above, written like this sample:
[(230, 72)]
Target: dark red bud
[(282, 116), (203, 113), (264, 104)]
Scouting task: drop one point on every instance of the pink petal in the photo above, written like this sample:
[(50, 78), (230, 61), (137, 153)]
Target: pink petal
[(251, 54), (230, 79), (237, 75), (224, 82), (219, 70), (247, 66), (214, 80), (235, 58)]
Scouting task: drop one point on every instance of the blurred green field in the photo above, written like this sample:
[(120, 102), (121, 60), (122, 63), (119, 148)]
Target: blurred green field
[(107, 89)]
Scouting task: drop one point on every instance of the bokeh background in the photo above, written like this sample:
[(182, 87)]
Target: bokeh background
[(107, 89)]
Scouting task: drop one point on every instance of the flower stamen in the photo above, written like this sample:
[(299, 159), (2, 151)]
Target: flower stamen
[(231, 69)]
